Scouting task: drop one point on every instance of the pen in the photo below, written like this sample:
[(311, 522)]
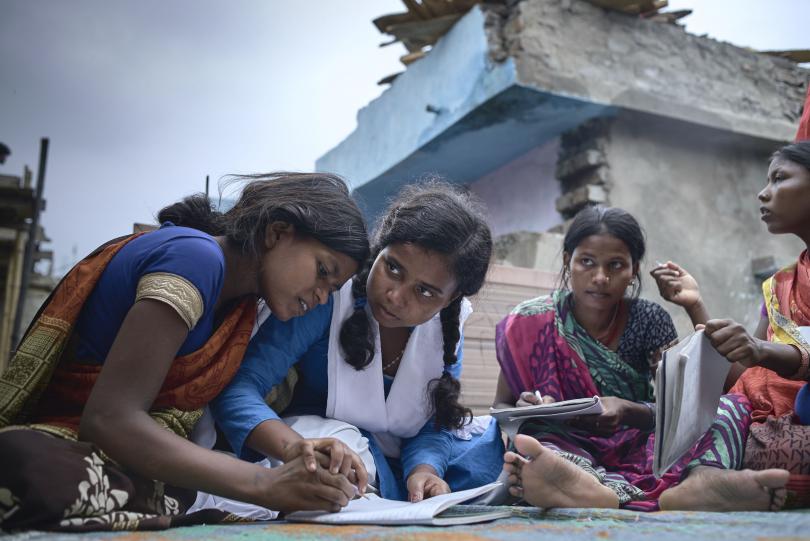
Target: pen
[(357, 493)]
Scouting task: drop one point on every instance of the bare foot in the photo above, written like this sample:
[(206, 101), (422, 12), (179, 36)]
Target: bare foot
[(548, 480), (714, 489)]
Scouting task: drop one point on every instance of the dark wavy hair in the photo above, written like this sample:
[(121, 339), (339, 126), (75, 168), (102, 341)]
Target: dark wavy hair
[(316, 204), (798, 152), (597, 220), (434, 216)]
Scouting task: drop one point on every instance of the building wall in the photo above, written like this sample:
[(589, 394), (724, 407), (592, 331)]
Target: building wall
[(694, 189), (456, 77), (520, 195), (571, 47)]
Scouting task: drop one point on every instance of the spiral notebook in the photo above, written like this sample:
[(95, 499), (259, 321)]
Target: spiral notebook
[(510, 419)]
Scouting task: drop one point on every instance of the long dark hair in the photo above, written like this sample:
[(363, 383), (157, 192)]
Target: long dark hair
[(597, 220), (798, 152), (434, 216), (316, 204)]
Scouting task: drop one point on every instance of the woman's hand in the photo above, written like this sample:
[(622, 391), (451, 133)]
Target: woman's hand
[(331, 454), (608, 422), (733, 342), (294, 487), (528, 398), (676, 285), (424, 483)]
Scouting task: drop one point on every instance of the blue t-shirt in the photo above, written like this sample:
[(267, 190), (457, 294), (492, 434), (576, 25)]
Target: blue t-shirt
[(183, 251)]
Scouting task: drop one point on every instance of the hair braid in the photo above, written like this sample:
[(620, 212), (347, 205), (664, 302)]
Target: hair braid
[(356, 337), (446, 390), (450, 323)]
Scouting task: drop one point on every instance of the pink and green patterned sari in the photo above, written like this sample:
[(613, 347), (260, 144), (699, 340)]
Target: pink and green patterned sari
[(541, 347)]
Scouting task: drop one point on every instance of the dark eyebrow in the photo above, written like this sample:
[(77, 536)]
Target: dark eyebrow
[(426, 285)]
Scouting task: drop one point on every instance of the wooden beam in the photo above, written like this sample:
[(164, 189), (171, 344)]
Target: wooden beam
[(670, 16), (410, 58), (797, 55), (417, 9), (419, 34)]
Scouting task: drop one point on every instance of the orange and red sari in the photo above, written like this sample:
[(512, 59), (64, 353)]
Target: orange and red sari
[(776, 439), (49, 479)]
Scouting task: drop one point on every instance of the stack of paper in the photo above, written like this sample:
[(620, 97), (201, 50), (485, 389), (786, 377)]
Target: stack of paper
[(688, 386)]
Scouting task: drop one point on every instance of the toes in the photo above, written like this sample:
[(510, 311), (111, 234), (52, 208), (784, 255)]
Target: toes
[(514, 480), (516, 491), (528, 446), (773, 478), (513, 458), (778, 498)]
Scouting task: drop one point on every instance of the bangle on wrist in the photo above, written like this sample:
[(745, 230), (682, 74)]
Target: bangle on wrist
[(804, 365)]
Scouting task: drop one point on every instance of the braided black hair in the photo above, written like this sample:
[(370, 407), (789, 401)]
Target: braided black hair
[(434, 216)]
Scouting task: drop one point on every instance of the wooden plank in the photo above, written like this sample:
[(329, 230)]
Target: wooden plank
[(410, 58), (422, 33), (382, 23), (631, 7), (417, 9), (670, 17), (796, 55)]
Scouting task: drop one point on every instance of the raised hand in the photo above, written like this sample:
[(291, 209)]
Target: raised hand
[(676, 285)]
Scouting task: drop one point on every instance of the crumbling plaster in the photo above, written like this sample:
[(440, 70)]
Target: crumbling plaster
[(571, 47)]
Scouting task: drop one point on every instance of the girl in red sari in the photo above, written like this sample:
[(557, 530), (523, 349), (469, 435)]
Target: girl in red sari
[(772, 367), (100, 400)]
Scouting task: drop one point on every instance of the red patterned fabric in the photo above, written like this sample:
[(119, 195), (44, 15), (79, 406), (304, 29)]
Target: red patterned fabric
[(770, 394), (803, 134)]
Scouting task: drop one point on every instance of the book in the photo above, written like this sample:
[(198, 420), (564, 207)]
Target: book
[(440, 510), (510, 419), (688, 386)]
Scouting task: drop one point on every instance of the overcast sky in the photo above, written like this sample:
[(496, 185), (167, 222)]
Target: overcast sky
[(142, 99)]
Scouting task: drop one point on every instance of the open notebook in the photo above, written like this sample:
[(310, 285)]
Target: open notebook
[(688, 386), (435, 511), (510, 419)]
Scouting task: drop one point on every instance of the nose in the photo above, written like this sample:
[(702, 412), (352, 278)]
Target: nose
[(321, 295), (600, 276), (765, 194), (396, 296)]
